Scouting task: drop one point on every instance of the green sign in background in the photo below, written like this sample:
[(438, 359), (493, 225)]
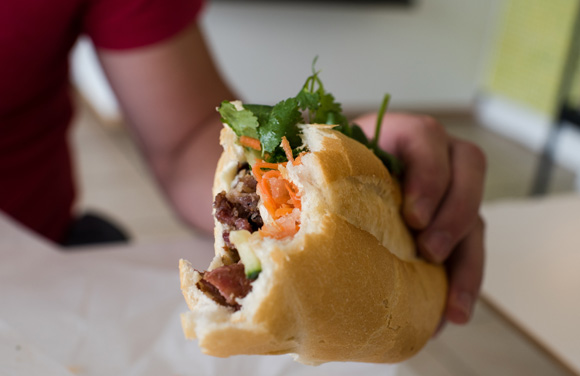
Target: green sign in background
[(530, 53)]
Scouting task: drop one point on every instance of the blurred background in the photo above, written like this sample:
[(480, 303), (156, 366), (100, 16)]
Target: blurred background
[(499, 72)]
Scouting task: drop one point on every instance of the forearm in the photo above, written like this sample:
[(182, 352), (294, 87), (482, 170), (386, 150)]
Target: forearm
[(169, 92), (186, 175)]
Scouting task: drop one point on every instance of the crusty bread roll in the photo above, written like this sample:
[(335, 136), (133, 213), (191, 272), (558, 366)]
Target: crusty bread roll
[(347, 286)]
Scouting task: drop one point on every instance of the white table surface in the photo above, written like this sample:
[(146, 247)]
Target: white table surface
[(533, 270), (113, 311)]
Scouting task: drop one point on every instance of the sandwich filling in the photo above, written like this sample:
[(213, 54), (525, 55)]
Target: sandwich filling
[(261, 185)]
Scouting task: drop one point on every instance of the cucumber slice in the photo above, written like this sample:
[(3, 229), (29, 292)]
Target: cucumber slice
[(252, 265)]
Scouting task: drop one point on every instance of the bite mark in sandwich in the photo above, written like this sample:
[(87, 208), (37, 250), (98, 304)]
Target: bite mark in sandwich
[(237, 210)]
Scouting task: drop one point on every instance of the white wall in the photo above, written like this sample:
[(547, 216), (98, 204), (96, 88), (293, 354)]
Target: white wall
[(430, 56)]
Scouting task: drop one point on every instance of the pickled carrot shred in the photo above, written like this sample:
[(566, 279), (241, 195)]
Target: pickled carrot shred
[(280, 197), (252, 143)]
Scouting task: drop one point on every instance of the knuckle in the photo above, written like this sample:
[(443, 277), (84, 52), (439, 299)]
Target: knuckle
[(431, 125), (463, 220)]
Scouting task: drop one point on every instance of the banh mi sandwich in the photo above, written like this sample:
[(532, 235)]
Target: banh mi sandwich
[(312, 255)]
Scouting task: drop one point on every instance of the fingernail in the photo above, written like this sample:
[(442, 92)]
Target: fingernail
[(437, 244)]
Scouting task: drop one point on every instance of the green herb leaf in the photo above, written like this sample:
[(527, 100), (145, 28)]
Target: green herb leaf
[(283, 121), (261, 111), (329, 111), (358, 134), (308, 100), (392, 163), (270, 123), (382, 110), (243, 123)]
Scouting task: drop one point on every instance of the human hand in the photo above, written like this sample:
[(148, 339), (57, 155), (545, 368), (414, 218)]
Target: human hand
[(442, 191)]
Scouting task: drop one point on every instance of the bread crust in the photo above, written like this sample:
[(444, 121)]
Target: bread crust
[(347, 287)]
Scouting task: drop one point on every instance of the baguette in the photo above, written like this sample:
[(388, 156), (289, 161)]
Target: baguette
[(347, 286)]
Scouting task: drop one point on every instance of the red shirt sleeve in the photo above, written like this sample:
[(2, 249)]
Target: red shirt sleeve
[(124, 24)]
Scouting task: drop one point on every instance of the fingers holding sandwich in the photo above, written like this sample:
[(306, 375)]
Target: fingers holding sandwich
[(423, 146), (455, 234), (442, 200), (465, 271), (458, 210), (443, 189)]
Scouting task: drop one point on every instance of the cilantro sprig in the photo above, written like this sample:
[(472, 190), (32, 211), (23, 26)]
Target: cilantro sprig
[(313, 105), (267, 124)]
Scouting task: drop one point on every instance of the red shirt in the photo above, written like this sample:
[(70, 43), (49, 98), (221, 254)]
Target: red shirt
[(36, 181)]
